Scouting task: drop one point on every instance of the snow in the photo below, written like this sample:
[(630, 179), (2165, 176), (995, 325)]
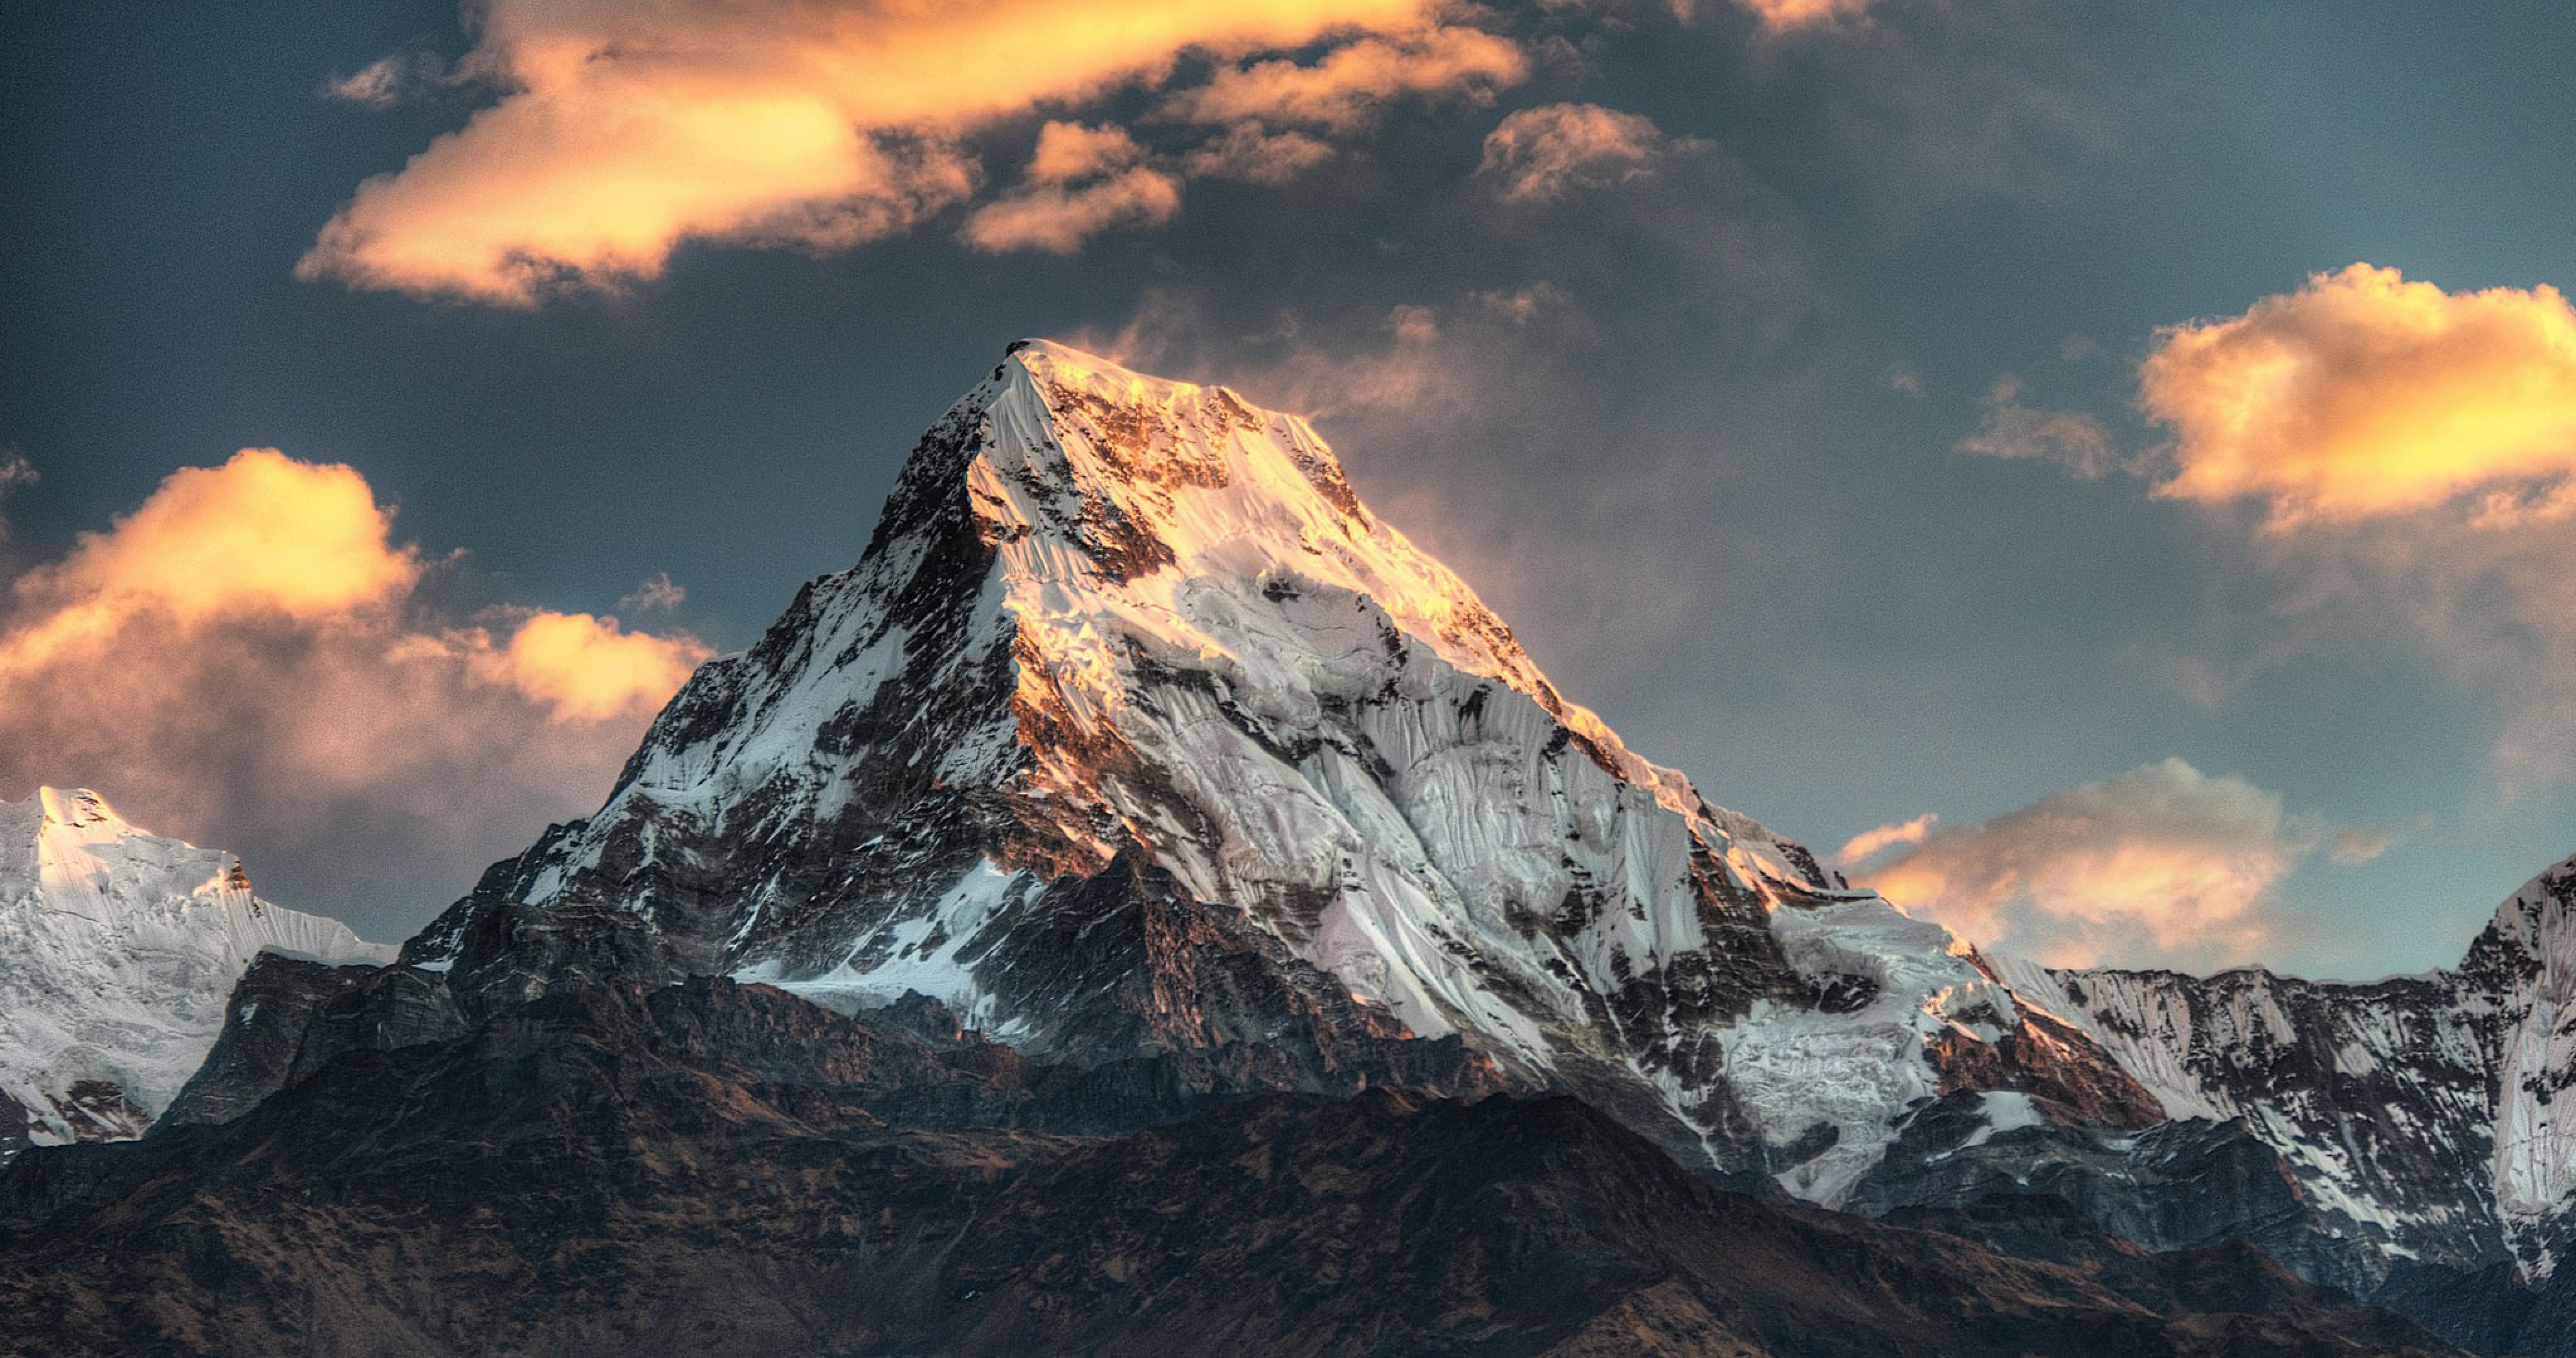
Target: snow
[(2535, 1122), (1792, 1068), (914, 954), (119, 950), (2479, 1053)]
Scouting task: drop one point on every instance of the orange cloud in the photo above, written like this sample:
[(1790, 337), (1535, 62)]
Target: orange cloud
[(1783, 15), (1071, 151), (589, 668), (247, 658), (1870, 843), (623, 130), (2161, 865), (1353, 83), (1255, 156), (1058, 219), (1538, 154), (2364, 395), (2414, 455), (262, 533), (2071, 439)]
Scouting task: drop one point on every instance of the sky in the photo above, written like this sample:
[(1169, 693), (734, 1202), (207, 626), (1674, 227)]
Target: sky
[(2100, 473)]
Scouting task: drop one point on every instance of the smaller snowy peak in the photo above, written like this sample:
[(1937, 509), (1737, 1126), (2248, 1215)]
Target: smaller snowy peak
[(118, 949)]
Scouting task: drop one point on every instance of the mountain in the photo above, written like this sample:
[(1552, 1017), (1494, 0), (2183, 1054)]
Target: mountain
[(118, 952), (1138, 744)]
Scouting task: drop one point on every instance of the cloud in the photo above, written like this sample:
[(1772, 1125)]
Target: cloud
[(1871, 843), (622, 130), (2162, 865), (261, 535), (586, 668), (655, 595), (15, 471), (1523, 305), (1248, 153), (248, 659), (2363, 394), (1782, 15), (1353, 84), (2068, 439), (389, 80), (1539, 154), (1058, 219), (1071, 151), (2407, 458)]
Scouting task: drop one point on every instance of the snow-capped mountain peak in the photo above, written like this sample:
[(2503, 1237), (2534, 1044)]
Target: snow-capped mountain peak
[(118, 950), (1111, 618)]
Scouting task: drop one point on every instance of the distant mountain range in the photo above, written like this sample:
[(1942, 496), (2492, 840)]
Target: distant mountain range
[(1141, 799)]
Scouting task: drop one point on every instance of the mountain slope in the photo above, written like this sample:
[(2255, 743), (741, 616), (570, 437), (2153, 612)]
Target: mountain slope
[(118, 950), (721, 1169)]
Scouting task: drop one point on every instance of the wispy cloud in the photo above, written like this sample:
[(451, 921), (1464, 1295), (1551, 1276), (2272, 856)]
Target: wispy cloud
[(2162, 865), (390, 80), (2068, 439), (1871, 843), (1080, 182), (15, 471), (1353, 84), (1784, 15), (657, 595), (1539, 154), (1248, 152)]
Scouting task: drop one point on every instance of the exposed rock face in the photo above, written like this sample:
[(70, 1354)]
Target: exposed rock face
[(118, 949), (720, 1169)]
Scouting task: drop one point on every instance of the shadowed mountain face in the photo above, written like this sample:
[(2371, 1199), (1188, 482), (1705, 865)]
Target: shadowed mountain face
[(713, 1169)]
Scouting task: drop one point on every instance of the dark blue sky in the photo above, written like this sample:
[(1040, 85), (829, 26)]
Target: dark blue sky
[(1707, 462)]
